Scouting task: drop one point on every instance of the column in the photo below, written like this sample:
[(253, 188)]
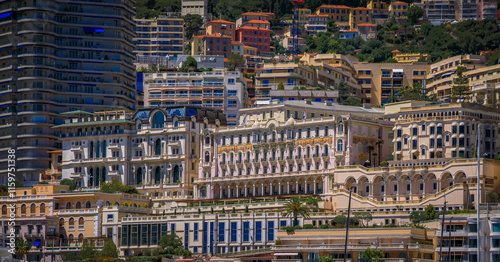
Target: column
[(288, 187), (253, 190), (279, 188), (438, 185), (314, 186), (271, 192), (370, 186), (246, 190), (385, 191), (262, 191), (220, 192), (195, 192), (397, 192), (237, 191), (296, 187), (486, 96)]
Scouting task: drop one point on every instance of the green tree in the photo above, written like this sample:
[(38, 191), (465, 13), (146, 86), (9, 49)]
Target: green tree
[(172, 245), (331, 27), (326, 259), (492, 197), (364, 217), (410, 92), (115, 186), (296, 59), (414, 13), (281, 86), (340, 221), (372, 255), (353, 101), (416, 217), (236, 60), (68, 182), (460, 89), (88, 250), (109, 249), (430, 212), (192, 23), (295, 208), (22, 247), (312, 201), (189, 64)]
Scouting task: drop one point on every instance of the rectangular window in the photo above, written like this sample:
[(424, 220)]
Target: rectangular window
[(472, 242), (496, 227), (258, 231), (283, 223), (270, 231), (495, 242), (472, 228), (195, 232), (234, 231), (246, 231), (221, 232)]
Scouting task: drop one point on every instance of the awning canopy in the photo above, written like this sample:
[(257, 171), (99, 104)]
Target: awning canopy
[(286, 254), (397, 70)]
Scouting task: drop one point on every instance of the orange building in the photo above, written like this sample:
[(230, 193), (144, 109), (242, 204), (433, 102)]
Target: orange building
[(222, 27), (217, 44)]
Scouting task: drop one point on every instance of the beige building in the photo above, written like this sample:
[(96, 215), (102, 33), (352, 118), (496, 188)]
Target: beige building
[(197, 45), (409, 57), (398, 9), (159, 37), (195, 7)]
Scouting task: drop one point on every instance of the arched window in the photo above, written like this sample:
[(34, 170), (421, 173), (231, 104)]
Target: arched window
[(80, 238), (104, 148), (108, 204), (33, 210), (138, 176), (4, 210), (81, 221), (158, 120), (158, 147), (207, 157), (176, 123), (103, 174), (341, 127), (176, 176), (340, 145), (91, 149), (71, 222), (317, 151), (326, 150), (139, 126), (42, 209), (97, 149), (88, 204), (68, 205), (157, 175), (91, 177), (71, 238), (61, 222), (78, 205)]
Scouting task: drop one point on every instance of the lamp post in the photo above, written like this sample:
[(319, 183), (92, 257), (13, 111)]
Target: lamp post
[(347, 227), (478, 193)]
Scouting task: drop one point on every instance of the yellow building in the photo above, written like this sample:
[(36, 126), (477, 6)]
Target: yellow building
[(197, 47), (398, 9), (302, 15), (359, 15), (337, 13), (380, 10), (409, 57)]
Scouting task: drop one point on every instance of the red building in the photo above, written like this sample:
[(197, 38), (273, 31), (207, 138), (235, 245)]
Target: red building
[(257, 37), (217, 44)]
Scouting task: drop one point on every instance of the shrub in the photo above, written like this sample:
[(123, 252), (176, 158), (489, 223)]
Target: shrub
[(308, 226), (297, 227), (125, 204), (146, 259), (146, 252), (384, 163), (324, 226), (278, 242)]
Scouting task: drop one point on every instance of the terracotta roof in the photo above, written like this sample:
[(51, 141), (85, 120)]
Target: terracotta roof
[(250, 47), (360, 8), (350, 30), (256, 22), (236, 43), (226, 60), (252, 28), (366, 24), (257, 13), (399, 3), (334, 6), (198, 36), (220, 21), (396, 51)]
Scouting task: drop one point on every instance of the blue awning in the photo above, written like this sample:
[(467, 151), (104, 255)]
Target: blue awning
[(4, 15)]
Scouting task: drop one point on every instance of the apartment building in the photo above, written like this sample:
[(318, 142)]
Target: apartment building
[(397, 243), (398, 9), (359, 15), (316, 24), (337, 13), (154, 150), (162, 36), (302, 14), (258, 23), (439, 11), (379, 81), (367, 31), (271, 75), (221, 89), (197, 45), (221, 27), (257, 37), (442, 73), (313, 95), (55, 62), (217, 45), (249, 16), (288, 43), (195, 7), (485, 85), (286, 148), (380, 9), (237, 48), (409, 57), (54, 220), (486, 9)]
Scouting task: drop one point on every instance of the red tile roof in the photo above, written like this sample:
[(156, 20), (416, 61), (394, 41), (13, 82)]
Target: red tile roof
[(218, 35), (361, 8), (399, 3), (257, 13), (220, 21), (334, 6), (366, 24), (256, 22)]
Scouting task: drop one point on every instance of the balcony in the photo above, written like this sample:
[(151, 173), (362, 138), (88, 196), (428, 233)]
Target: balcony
[(113, 173), (76, 148), (76, 175), (114, 146)]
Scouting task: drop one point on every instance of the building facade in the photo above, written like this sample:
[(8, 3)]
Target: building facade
[(154, 150), (221, 89), (195, 7), (162, 36), (257, 37), (55, 62), (217, 45), (221, 27)]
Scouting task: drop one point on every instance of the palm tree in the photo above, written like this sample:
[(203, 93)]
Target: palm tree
[(295, 208), (370, 148), (379, 143), (22, 247)]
